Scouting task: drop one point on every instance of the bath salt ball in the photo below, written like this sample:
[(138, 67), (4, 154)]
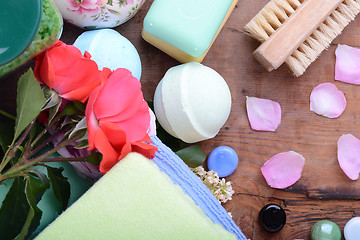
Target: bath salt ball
[(352, 229), (192, 102), (223, 160), (110, 49)]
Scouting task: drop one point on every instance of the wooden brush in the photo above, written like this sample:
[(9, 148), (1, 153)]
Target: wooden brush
[(297, 31)]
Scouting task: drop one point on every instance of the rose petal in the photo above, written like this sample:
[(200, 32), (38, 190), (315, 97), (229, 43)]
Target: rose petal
[(114, 134), (327, 100), (144, 147), (110, 156), (347, 66), (118, 118), (120, 100), (283, 169), (123, 93), (349, 155), (263, 114), (64, 69), (152, 127)]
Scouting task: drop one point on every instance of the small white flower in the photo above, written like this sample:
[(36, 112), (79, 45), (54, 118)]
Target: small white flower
[(221, 189), (222, 182), (200, 171)]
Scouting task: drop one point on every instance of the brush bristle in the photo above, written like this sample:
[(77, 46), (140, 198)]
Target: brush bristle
[(270, 18), (264, 24)]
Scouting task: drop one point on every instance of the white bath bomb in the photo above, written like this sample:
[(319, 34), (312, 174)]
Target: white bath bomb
[(192, 102), (110, 49)]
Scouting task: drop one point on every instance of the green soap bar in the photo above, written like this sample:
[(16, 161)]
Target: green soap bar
[(134, 200), (187, 25)]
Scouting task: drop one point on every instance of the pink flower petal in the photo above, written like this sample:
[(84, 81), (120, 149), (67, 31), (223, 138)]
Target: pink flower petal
[(83, 6), (152, 128), (263, 114), (349, 155), (327, 100), (283, 169), (347, 67)]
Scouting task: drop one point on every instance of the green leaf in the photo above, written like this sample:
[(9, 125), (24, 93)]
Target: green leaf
[(94, 158), (81, 144), (79, 106), (35, 189), (80, 126), (60, 185), (21, 148), (193, 156), (52, 97), (122, 2), (53, 111), (14, 210), (67, 121), (91, 27), (41, 176), (150, 104), (34, 133), (53, 102), (173, 143), (114, 12), (6, 132), (30, 100)]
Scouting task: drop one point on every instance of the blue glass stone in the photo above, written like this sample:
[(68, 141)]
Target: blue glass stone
[(223, 160), (325, 230), (272, 218)]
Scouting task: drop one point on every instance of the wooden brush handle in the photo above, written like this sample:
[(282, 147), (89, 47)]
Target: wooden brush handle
[(294, 31)]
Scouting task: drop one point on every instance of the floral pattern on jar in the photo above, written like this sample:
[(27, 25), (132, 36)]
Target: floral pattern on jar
[(94, 14)]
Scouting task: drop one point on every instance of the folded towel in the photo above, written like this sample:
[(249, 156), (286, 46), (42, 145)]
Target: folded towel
[(180, 174), (134, 200)]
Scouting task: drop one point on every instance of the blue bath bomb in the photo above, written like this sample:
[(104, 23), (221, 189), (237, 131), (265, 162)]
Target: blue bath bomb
[(110, 49)]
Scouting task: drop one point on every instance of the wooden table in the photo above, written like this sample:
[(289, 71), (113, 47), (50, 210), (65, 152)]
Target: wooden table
[(324, 191)]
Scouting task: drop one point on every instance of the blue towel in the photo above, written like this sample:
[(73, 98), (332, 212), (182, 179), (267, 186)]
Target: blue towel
[(181, 175)]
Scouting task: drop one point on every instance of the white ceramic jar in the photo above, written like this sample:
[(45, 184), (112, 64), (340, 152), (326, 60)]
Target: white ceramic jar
[(94, 14)]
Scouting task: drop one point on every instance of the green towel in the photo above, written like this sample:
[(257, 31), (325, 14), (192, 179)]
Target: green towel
[(134, 200)]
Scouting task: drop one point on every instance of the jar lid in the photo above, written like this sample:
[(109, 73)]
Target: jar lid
[(20, 20)]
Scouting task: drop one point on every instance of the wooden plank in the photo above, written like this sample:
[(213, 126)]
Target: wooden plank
[(323, 192)]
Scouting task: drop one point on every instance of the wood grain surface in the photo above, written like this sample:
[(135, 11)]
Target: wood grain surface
[(324, 191)]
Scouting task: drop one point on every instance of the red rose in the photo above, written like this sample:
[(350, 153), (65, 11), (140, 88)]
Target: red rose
[(118, 118), (64, 69)]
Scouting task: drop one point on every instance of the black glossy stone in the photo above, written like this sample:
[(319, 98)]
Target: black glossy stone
[(272, 218)]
